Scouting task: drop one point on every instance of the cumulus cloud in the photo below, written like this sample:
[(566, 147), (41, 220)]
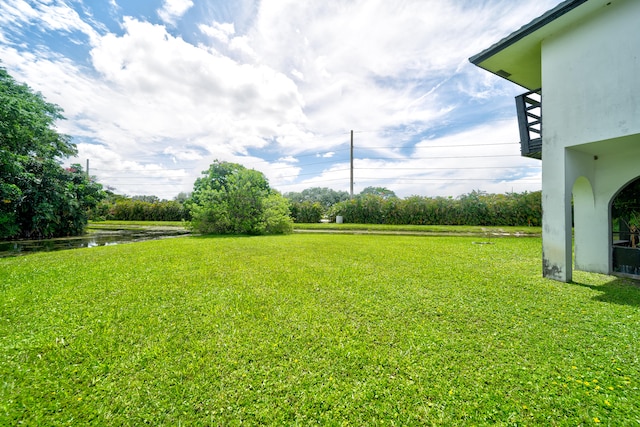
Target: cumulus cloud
[(268, 83), (219, 31), (50, 16), (179, 90), (172, 10)]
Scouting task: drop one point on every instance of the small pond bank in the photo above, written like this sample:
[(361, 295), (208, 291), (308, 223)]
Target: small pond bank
[(97, 235)]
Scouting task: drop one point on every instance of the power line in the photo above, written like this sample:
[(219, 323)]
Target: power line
[(456, 168), (456, 179), (437, 146)]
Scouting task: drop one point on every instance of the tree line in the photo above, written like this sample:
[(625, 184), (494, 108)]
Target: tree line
[(381, 206), (475, 208), (139, 208)]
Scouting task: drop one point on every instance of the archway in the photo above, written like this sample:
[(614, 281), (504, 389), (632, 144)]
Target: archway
[(625, 234)]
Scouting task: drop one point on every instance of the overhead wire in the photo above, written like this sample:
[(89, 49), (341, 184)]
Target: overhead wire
[(336, 161)]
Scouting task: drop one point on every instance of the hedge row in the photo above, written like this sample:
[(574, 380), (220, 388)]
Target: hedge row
[(306, 212), (138, 210), (475, 208)]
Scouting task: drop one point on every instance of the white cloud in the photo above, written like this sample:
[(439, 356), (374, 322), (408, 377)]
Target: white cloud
[(182, 153), (172, 10), (218, 31), (288, 159), (51, 16), (289, 78), (178, 90)]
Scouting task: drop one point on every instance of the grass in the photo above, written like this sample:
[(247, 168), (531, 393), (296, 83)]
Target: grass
[(332, 227), (424, 229), (314, 329)]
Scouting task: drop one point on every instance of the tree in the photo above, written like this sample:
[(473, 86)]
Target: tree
[(383, 192), (327, 197), (38, 197), (146, 199), (230, 199), (182, 197)]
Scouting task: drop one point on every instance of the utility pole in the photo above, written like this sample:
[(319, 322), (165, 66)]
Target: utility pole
[(351, 193), (88, 168)]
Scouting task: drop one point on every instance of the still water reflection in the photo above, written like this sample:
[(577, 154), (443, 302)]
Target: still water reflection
[(100, 237)]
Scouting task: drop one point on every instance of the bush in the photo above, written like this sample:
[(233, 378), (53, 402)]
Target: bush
[(230, 199), (137, 210), (306, 212), (475, 208)]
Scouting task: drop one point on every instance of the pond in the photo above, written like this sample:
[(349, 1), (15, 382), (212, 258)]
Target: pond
[(95, 237)]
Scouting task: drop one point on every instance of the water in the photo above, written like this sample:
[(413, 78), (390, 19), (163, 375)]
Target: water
[(96, 237)]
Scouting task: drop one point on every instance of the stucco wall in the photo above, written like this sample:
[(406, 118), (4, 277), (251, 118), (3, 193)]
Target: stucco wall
[(591, 133), (590, 76)]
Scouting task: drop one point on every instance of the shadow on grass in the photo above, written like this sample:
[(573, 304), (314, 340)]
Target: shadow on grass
[(620, 290)]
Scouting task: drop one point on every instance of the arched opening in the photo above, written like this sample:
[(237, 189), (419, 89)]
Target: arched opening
[(625, 234)]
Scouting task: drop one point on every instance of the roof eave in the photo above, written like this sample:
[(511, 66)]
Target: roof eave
[(517, 57), (526, 30)]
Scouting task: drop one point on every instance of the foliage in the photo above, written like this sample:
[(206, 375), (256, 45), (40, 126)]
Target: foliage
[(314, 330), (307, 211), (626, 205), (276, 215), (383, 192), (475, 208), (27, 123), (326, 197), (38, 197), (230, 199), (145, 198), (182, 197), (139, 208)]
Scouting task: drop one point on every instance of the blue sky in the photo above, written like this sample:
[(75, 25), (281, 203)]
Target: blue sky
[(155, 90)]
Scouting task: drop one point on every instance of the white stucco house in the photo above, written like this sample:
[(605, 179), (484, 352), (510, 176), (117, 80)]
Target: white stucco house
[(580, 65)]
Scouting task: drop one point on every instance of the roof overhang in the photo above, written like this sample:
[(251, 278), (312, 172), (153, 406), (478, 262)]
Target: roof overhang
[(517, 57)]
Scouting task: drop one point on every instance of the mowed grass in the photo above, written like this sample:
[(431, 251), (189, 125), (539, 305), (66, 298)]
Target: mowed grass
[(314, 330)]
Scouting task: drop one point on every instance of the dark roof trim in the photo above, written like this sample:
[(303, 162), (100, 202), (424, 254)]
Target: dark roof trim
[(526, 30)]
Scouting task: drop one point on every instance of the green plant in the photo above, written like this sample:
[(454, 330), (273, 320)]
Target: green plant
[(230, 199), (38, 197)]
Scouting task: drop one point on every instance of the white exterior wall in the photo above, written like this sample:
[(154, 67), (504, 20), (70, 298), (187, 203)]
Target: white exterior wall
[(591, 133)]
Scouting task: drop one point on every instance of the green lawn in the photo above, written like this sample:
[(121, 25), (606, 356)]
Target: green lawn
[(421, 229), (314, 329)]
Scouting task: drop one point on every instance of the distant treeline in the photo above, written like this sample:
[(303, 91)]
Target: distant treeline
[(371, 207), (139, 208), (475, 208)]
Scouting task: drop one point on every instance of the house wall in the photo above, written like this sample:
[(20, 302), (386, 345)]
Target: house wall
[(597, 182), (591, 126)]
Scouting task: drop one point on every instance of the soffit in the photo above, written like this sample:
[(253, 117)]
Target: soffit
[(517, 57)]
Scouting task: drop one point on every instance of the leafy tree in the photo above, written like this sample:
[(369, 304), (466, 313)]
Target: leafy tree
[(182, 197), (327, 197), (230, 199), (38, 197), (383, 192)]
